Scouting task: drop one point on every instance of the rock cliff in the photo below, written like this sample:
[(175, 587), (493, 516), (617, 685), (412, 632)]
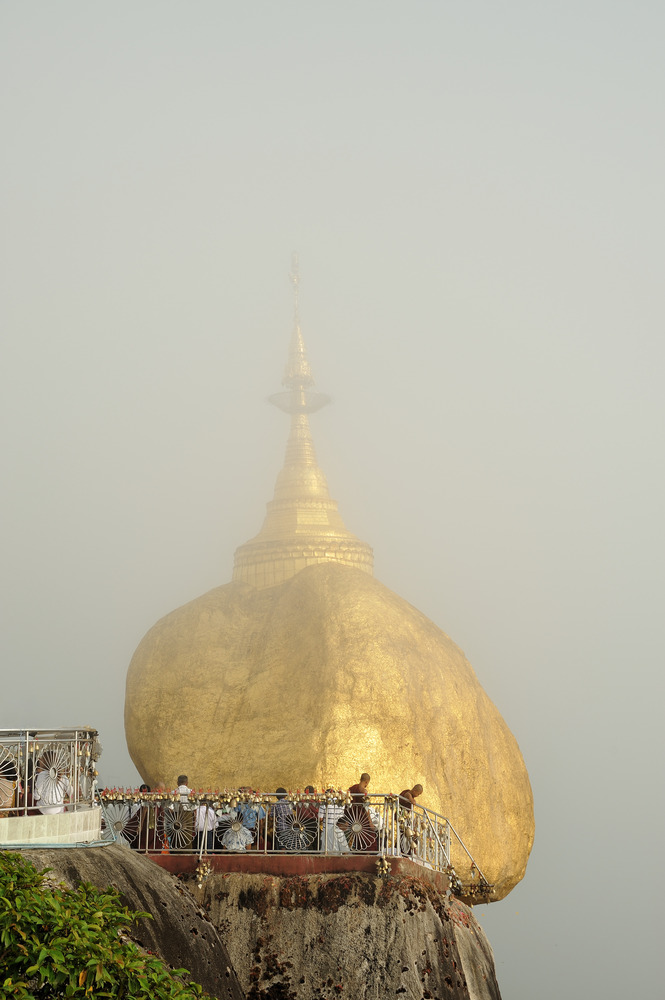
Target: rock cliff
[(353, 936), (179, 933)]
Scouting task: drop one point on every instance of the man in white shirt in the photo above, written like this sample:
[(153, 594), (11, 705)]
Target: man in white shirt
[(183, 789)]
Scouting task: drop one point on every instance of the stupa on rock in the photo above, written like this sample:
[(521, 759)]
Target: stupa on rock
[(305, 669)]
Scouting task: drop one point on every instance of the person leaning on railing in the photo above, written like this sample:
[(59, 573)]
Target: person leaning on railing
[(408, 797), (252, 814), (359, 791)]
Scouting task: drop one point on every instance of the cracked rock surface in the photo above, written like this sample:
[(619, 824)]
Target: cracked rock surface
[(314, 937)]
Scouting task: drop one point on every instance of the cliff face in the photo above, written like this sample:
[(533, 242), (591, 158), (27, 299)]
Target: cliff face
[(353, 936), (178, 932)]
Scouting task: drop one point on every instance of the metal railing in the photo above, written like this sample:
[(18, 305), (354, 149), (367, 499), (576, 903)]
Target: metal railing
[(329, 824), (47, 770)]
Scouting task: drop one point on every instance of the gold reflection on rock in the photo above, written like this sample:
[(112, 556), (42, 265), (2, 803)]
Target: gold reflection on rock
[(315, 680)]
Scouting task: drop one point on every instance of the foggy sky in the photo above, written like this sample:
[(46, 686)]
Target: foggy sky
[(475, 192)]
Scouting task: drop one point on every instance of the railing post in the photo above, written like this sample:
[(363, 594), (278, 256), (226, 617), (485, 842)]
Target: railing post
[(265, 827)]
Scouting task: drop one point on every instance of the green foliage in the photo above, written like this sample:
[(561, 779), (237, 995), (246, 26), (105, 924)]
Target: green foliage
[(59, 942)]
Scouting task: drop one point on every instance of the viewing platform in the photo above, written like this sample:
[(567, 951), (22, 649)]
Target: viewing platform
[(292, 833), (49, 798), (47, 787)]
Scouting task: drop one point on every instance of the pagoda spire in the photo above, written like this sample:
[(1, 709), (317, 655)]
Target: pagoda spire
[(298, 378), (297, 371), (303, 525)]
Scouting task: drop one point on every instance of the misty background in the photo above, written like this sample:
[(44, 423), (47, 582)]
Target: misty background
[(476, 195)]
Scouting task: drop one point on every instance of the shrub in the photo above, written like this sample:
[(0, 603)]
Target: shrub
[(60, 942)]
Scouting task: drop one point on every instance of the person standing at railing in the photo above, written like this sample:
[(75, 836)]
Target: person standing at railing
[(136, 807), (308, 812), (146, 838), (407, 800), (252, 815), (331, 815), (234, 835), (281, 813), (359, 790), (206, 824), (357, 811), (408, 797), (183, 789)]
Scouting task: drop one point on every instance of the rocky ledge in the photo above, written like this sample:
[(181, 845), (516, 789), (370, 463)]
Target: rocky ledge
[(179, 932), (353, 936)]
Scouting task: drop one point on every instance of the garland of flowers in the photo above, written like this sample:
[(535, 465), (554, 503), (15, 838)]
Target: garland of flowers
[(229, 797)]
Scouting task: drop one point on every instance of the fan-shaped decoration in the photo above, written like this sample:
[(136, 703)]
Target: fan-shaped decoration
[(231, 832), (176, 824), (8, 777), (298, 830), (55, 761), (360, 833), (117, 818)]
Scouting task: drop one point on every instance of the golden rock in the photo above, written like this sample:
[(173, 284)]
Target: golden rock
[(315, 680), (306, 670)]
